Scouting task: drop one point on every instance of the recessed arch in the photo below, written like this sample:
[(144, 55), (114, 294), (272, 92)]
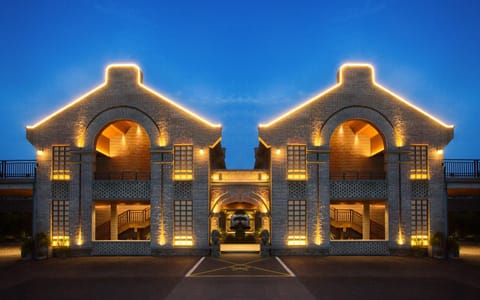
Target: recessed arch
[(119, 113), (357, 151), (367, 114), (122, 152)]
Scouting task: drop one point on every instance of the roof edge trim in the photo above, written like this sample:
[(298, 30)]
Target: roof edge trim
[(340, 82), (139, 82)]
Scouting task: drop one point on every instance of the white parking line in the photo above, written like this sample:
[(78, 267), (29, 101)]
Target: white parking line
[(195, 267), (285, 267)]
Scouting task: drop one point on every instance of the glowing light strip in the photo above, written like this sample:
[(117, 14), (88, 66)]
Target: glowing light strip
[(139, 82), (355, 65)]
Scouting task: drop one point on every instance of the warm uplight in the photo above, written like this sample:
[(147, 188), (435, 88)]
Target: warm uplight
[(318, 236), (60, 241), (184, 241), (340, 83), (297, 175), (40, 152), (61, 176), (439, 151), (201, 151), (419, 240), (183, 175), (296, 240), (400, 239), (418, 175), (278, 151), (139, 82)]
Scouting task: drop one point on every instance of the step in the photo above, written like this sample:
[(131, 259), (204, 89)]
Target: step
[(240, 247)]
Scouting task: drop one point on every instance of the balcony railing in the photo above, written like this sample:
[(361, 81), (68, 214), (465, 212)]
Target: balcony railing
[(16, 169), (462, 168), (454, 168)]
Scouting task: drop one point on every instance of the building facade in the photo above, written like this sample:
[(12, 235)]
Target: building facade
[(123, 170)]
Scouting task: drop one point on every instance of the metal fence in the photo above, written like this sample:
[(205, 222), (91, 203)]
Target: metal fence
[(17, 169), (462, 168)]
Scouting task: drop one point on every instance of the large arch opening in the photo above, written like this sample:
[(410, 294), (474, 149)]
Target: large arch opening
[(122, 152), (357, 151), (357, 160)]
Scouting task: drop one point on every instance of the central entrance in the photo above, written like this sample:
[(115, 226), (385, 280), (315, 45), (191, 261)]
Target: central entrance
[(240, 208)]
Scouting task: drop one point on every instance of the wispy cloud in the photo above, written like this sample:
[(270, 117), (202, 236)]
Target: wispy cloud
[(359, 11)]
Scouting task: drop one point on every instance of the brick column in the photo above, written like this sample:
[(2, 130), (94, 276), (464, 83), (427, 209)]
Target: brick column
[(366, 221), (113, 222)]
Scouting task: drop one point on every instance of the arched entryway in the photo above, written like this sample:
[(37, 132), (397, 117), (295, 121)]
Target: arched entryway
[(357, 169), (240, 208), (122, 165)]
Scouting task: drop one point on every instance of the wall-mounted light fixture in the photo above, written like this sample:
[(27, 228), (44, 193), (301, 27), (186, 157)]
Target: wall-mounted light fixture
[(278, 151), (201, 151), (439, 151), (40, 151)]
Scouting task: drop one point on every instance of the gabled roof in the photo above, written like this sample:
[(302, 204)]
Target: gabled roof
[(140, 84), (342, 70)]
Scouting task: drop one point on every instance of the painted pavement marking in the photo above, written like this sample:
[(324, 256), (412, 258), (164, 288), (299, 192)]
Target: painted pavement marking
[(195, 267), (239, 267)]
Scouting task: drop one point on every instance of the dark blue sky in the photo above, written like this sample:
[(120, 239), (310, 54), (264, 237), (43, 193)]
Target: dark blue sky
[(239, 63)]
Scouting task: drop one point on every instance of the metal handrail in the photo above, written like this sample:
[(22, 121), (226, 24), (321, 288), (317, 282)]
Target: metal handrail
[(17, 169), (462, 168)]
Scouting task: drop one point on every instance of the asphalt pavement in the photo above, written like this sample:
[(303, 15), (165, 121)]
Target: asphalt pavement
[(240, 277)]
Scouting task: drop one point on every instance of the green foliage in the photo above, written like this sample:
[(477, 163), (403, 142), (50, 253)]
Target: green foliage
[(437, 239)]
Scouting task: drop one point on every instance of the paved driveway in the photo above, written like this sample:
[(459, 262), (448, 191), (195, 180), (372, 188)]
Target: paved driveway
[(239, 277)]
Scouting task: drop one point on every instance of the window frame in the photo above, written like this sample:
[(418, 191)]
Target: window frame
[(60, 159), (183, 162), (297, 162)]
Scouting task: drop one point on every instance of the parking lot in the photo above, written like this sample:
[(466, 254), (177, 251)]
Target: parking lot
[(240, 276)]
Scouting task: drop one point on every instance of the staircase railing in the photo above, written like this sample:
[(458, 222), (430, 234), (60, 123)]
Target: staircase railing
[(133, 217), (354, 220)]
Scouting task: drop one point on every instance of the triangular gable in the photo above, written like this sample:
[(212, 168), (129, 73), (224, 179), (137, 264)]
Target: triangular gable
[(340, 83), (140, 84)]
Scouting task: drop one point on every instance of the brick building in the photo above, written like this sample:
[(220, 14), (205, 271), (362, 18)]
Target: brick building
[(123, 170)]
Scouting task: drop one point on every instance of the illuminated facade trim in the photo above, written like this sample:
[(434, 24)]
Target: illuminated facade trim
[(139, 82), (167, 169), (340, 83)]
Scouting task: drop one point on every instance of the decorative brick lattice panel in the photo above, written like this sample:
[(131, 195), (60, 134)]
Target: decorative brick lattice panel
[(358, 189), (60, 190), (419, 189), (183, 190), (121, 248), (296, 190), (112, 189), (359, 248)]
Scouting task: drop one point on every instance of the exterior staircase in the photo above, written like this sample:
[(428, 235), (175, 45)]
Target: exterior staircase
[(351, 220), (129, 219)]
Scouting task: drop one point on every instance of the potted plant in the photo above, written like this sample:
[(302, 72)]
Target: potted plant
[(42, 242), (436, 248), (27, 248), (453, 248)]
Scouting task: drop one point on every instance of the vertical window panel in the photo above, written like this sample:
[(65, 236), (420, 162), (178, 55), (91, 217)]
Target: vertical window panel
[(296, 222), (419, 222), (419, 158), (60, 223), (183, 223), (60, 159), (296, 162), (183, 162)]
